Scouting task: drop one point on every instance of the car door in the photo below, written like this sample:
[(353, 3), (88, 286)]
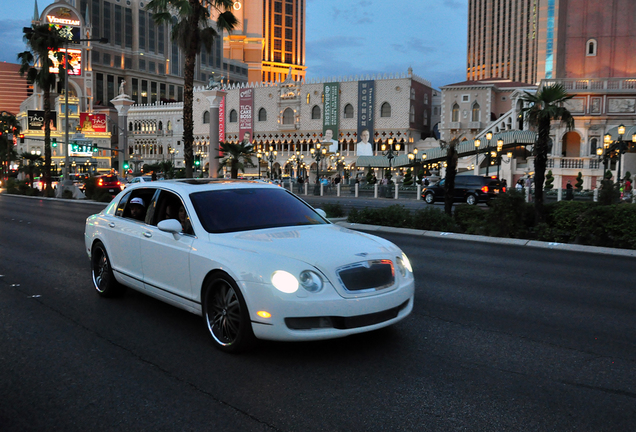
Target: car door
[(165, 256), (124, 242)]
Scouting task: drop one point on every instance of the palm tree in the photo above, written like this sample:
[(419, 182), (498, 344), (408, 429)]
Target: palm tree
[(236, 156), (41, 39), (546, 105), (8, 125), (191, 31), (451, 172), (32, 168)]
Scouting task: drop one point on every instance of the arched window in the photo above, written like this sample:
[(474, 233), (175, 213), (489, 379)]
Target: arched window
[(262, 114), (591, 48), (233, 116), (475, 116), (315, 113), (455, 116), (288, 116), (308, 98), (160, 125), (130, 126), (348, 111), (385, 110), (412, 114), (593, 146), (206, 117)]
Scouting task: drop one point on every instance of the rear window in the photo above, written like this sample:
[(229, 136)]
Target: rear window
[(235, 210)]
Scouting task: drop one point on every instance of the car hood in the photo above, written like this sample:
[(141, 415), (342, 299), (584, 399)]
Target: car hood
[(324, 246)]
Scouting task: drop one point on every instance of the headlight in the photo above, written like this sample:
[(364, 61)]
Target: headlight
[(404, 264), (284, 281), (311, 281)]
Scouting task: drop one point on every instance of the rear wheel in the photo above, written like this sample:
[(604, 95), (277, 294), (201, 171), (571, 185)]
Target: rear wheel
[(471, 199), (226, 316), (429, 198), (102, 273)]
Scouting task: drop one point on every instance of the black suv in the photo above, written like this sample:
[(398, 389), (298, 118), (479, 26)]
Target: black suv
[(470, 189)]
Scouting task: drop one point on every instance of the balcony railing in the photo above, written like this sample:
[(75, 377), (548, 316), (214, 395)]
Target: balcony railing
[(618, 85)]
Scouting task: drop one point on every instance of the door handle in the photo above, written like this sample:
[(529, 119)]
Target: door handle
[(148, 234), (111, 224)]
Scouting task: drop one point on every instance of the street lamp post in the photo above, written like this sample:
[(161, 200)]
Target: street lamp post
[(488, 138), (318, 154), (617, 148), (387, 151), (477, 143), (259, 156), (271, 157)]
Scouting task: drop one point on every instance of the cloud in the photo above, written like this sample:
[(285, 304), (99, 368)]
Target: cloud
[(11, 36)]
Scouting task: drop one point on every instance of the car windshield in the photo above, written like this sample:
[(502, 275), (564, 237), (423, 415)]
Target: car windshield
[(234, 210)]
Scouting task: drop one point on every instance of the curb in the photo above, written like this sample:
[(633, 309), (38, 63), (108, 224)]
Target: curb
[(486, 239)]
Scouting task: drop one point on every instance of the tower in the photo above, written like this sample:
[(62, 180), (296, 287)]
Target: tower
[(270, 39)]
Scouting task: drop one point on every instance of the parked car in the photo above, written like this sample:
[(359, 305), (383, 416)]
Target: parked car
[(109, 183), (250, 258), (140, 179), (470, 189)]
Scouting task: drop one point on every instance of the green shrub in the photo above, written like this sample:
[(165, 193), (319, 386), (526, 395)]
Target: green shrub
[(469, 219), (432, 219), (395, 216), (333, 210), (509, 216), (12, 186), (91, 186)]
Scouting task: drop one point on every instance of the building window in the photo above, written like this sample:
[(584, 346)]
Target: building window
[(475, 116), (455, 110), (591, 48), (348, 111), (425, 98), (206, 117), (593, 146), (288, 116), (233, 117), (465, 98), (262, 114), (412, 114), (412, 93), (315, 113), (308, 98), (385, 110)]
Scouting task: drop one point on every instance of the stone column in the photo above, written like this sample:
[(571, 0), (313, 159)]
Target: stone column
[(214, 97), (122, 104)]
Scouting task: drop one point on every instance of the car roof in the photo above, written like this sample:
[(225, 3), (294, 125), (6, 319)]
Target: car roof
[(188, 186)]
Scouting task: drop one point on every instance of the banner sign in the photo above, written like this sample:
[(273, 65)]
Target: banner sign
[(36, 120), (74, 59), (366, 104), (93, 122), (222, 120), (246, 109), (331, 108)]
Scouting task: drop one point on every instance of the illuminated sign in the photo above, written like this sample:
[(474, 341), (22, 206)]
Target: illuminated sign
[(93, 122), (64, 16), (80, 148), (64, 21), (74, 59), (36, 120)]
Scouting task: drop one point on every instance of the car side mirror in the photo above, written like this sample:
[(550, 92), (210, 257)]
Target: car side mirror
[(170, 225), (322, 213)]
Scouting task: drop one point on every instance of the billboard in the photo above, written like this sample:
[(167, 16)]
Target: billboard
[(222, 120), (366, 103), (93, 122), (74, 60), (246, 110), (36, 120)]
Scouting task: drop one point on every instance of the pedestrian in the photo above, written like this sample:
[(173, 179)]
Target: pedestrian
[(519, 185)]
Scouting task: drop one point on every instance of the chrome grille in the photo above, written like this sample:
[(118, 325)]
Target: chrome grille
[(367, 275)]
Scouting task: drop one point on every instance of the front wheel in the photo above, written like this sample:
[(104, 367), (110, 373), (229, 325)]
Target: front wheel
[(225, 314), (471, 199), (102, 273), (429, 198)]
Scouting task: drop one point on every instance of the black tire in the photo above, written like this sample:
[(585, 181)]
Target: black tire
[(429, 198), (102, 273), (225, 315), (471, 199)]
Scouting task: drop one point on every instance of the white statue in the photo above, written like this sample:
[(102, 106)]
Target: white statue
[(121, 87)]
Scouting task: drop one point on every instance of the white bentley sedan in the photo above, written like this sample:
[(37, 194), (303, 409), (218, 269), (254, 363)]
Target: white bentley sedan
[(252, 258)]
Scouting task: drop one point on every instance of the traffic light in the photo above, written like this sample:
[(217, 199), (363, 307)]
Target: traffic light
[(126, 166), (197, 161), (95, 149), (21, 138), (53, 142)]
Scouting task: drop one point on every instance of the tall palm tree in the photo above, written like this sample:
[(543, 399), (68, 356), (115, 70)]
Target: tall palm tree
[(451, 172), (8, 125), (35, 63), (236, 156), (546, 105), (191, 30)]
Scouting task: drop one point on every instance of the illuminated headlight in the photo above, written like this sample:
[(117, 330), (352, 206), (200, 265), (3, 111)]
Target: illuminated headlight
[(404, 264), (284, 282), (311, 281)]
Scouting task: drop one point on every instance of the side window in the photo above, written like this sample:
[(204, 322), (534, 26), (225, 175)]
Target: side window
[(137, 206), (170, 206), (122, 205)]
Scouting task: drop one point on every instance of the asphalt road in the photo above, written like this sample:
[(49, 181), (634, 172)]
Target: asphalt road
[(502, 338)]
